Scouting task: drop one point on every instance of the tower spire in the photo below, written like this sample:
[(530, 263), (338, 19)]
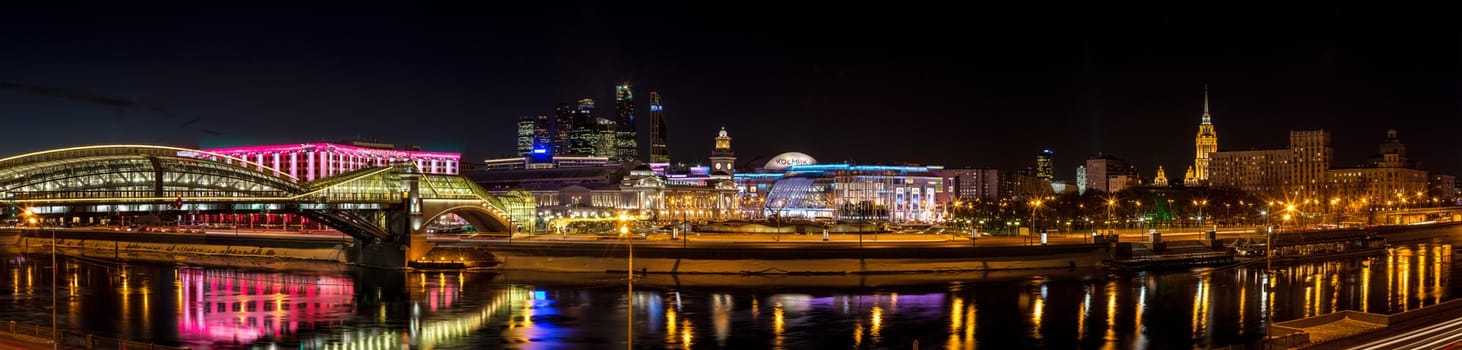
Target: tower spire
[(1205, 105)]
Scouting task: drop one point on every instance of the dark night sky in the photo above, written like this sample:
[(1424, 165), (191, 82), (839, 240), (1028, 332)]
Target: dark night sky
[(950, 86)]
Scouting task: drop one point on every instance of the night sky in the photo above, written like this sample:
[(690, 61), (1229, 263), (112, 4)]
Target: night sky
[(950, 86)]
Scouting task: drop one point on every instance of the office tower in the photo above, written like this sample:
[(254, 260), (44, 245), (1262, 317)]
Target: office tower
[(1044, 165), (606, 139), (1080, 179), (626, 139), (659, 147), (533, 133), (563, 123), (525, 135), (583, 138)]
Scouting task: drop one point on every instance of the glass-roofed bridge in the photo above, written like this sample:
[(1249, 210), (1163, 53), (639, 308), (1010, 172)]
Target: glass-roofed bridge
[(376, 206)]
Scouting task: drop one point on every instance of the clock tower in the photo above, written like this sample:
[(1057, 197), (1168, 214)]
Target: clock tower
[(722, 158)]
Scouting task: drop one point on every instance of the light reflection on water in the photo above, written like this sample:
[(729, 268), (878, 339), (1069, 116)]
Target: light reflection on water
[(207, 308)]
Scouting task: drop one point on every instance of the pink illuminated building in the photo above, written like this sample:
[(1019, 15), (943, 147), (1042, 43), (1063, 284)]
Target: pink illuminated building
[(310, 161)]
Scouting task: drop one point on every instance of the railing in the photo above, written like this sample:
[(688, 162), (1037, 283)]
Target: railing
[(78, 339), (1172, 257)]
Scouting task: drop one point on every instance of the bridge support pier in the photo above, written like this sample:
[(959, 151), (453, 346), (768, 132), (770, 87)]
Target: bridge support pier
[(386, 255), (419, 248)]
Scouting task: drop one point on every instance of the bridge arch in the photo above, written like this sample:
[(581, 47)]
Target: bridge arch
[(484, 218)]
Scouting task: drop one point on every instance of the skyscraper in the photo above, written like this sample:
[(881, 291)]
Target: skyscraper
[(525, 135), (1044, 165), (533, 133), (722, 158), (659, 147), (1206, 142), (606, 138), (583, 137), (1081, 179), (563, 123), (626, 136)]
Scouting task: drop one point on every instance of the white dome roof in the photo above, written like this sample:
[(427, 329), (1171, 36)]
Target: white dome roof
[(786, 160)]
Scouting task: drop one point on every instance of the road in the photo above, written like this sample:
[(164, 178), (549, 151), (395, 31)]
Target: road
[(1441, 335)]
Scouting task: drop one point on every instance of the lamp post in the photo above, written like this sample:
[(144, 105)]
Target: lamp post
[(630, 297), (1035, 204), (55, 338), (1110, 204)]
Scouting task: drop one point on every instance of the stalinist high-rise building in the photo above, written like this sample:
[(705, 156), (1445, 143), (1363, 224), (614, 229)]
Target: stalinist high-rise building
[(1206, 142)]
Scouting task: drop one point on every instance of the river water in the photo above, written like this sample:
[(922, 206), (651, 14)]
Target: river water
[(232, 308)]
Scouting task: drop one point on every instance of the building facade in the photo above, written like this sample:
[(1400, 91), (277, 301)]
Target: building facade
[(659, 135), (1263, 172), (1312, 156), (970, 184), (1110, 174), (310, 161), (896, 194), (1389, 180), (541, 162), (1442, 187), (1295, 172)]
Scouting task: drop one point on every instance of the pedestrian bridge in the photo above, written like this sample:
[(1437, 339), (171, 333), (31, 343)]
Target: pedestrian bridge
[(377, 206)]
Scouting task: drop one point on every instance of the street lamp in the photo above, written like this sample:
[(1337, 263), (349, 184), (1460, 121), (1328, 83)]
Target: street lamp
[(1110, 204), (1035, 204), (55, 340), (1288, 211)]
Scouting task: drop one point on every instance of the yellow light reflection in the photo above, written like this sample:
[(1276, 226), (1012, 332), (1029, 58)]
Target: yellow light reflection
[(876, 322), (956, 317), (1404, 280), (1111, 335), (857, 334), (721, 306), (777, 324), (970, 325), (1038, 310), (955, 314), (1365, 286), (686, 335), (1082, 314), (1421, 268), (670, 325), (1243, 296), (1443, 253)]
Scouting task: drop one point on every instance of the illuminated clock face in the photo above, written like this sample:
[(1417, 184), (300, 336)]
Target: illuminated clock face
[(718, 166)]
